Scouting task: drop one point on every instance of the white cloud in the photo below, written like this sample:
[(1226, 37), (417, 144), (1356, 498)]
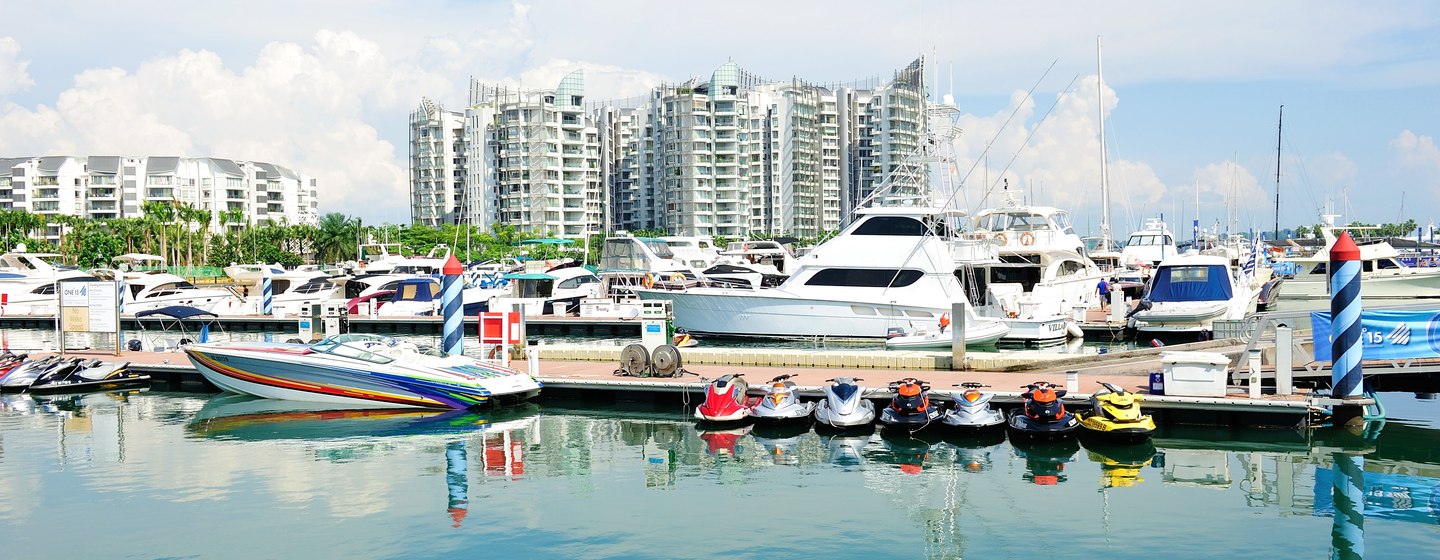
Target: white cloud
[(13, 76), (1416, 150), (1060, 164)]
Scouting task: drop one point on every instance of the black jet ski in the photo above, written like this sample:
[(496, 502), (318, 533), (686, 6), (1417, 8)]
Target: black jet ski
[(1041, 415), (94, 375)]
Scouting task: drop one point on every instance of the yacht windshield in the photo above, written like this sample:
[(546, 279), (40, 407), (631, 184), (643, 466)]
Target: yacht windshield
[(661, 248)]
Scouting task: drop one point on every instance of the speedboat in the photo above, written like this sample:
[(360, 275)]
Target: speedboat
[(149, 287), (1190, 292), (358, 369)]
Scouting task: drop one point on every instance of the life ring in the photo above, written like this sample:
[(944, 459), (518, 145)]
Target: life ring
[(677, 278), (648, 280), (1001, 239), (1027, 239)]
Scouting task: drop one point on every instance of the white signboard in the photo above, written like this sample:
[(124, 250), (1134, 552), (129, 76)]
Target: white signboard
[(89, 307)]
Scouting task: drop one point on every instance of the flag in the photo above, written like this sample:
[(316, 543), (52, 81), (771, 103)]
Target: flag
[(1256, 254)]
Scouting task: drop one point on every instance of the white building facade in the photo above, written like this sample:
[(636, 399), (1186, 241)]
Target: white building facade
[(102, 187)]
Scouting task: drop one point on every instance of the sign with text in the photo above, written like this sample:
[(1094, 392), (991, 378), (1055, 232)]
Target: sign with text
[(90, 307), (1385, 335)]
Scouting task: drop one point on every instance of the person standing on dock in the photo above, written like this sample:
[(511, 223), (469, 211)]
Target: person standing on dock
[(1103, 288)]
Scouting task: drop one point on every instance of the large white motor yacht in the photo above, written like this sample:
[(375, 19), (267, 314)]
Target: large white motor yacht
[(27, 282), (1382, 275), (890, 269)]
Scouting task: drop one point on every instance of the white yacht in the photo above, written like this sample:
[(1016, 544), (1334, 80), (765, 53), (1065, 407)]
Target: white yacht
[(628, 263), (1149, 245), (1038, 276), (887, 270), (698, 252), (1190, 291), (758, 264), (149, 287), (27, 282), (1382, 275)]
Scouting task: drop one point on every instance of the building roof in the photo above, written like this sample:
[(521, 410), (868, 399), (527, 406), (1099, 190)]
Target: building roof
[(228, 167), (51, 164), (7, 163), (162, 165), (103, 164)]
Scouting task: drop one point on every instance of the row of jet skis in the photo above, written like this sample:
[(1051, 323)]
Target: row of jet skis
[(59, 374), (1112, 412)]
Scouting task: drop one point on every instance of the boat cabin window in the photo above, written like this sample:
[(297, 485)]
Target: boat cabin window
[(1026, 276), (865, 277), (313, 286), (890, 225), (576, 282), (1387, 264), (1062, 222), (1012, 222), (1367, 266), (660, 248), (1068, 267), (46, 289), (1319, 268), (1149, 240), (412, 290)]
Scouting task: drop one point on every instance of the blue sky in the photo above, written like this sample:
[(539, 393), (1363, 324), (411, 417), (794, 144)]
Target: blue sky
[(1192, 90)]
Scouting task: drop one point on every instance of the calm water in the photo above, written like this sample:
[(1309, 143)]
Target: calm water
[(157, 475)]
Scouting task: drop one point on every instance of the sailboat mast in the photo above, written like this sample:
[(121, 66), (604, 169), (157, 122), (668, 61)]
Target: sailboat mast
[(1104, 183), (1278, 130)]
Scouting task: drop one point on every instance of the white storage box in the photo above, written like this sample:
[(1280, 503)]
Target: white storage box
[(1194, 374)]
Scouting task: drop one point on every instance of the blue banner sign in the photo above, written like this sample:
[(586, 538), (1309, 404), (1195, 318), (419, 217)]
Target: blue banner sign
[(1385, 335)]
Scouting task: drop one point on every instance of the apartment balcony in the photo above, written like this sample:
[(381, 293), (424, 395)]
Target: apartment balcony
[(47, 194), (103, 206)]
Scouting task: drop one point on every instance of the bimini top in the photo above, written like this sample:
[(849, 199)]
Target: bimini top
[(177, 312)]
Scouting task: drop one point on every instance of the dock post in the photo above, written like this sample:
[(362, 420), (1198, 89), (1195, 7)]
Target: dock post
[(1255, 374), (453, 317), (1284, 360), (957, 335)]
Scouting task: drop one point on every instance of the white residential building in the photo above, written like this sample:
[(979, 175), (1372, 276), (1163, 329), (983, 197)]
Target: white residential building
[(731, 156), (102, 187)]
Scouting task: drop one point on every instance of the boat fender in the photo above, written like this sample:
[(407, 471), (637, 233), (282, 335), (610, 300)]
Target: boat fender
[(1027, 239), (1074, 329)]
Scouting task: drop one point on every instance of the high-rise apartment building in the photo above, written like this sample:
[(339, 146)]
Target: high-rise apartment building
[(118, 186), (730, 156)]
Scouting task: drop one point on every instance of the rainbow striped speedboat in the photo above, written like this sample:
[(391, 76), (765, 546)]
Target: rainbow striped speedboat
[(358, 369)]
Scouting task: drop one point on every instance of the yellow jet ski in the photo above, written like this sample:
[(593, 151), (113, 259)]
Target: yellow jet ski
[(1115, 414)]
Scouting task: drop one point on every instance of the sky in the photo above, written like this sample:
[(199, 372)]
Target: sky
[(1192, 92)]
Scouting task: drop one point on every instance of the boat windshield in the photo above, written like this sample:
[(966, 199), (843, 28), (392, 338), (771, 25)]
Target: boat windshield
[(338, 346)]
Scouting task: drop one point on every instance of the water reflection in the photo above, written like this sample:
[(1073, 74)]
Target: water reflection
[(578, 475), (1045, 460)]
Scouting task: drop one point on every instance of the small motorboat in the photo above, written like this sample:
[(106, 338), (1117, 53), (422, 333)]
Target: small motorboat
[(682, 339), (358, 369), (977, 333)]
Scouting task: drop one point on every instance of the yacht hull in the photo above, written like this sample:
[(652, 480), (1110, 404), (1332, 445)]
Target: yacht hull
[(1424, 284), (776, 314)]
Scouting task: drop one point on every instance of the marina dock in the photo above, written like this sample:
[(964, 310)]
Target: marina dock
[(583, 372)]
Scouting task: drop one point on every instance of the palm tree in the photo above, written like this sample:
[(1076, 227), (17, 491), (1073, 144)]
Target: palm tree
[(160, 214), (335, 238)]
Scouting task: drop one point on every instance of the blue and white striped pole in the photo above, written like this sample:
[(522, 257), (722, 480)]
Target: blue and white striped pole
[(1347, 535), (120, 287), (1345, 306), (266, 292), (452, 308)]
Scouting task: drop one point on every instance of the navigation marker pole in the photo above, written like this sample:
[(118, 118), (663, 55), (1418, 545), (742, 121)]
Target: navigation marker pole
[(267, 293), (1346, 374), (452, 308)]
